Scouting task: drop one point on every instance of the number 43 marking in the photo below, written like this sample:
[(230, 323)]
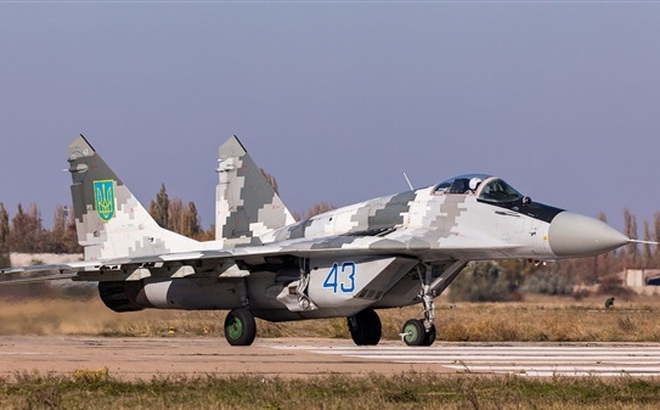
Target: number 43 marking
[(341, 279)]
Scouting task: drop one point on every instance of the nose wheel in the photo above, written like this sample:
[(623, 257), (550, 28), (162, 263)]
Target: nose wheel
[(414, 333)]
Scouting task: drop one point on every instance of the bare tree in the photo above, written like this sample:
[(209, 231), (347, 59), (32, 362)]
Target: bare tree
[(71, 234), (57, 237), (656, 220), (176, 215), (5, 261), (27, 234), (319, 208), (647, 255), (631, 231), (191, 226), (159, 209)]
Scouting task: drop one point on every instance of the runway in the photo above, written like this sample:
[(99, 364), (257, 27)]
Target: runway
[(145, 358), (547, 360)]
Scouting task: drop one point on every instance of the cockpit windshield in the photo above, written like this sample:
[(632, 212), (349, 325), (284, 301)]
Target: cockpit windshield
[(489, 189), (459, 185), (496, 190)]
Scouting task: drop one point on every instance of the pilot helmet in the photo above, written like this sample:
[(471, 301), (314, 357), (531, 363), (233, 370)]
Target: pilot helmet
[(474, 183)]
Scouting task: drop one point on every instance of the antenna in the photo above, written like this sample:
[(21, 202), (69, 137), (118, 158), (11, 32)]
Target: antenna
[(408, 181)]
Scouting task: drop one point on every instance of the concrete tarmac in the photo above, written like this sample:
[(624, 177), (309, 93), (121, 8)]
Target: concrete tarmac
[(145, 358)]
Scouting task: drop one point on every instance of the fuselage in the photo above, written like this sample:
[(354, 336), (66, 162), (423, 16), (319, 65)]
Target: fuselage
[(491, 221), (370, 254)]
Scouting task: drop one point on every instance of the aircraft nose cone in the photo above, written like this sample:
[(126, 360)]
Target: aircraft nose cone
[(573, 235)]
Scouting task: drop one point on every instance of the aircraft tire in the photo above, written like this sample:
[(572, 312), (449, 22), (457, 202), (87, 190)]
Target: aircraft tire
[(240, 327), (365, 328), (414, 333), (430, 336)]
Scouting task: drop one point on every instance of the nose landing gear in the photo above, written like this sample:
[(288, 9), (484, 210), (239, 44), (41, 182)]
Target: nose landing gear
[(421, 332)]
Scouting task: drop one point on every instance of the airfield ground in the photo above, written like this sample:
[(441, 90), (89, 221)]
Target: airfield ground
[(285, 373), (64, 353)]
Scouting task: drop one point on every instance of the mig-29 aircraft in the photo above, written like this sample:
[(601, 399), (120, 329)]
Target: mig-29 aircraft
[(386, 252)]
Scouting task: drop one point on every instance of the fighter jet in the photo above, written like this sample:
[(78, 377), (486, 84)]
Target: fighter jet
[(387, 252)]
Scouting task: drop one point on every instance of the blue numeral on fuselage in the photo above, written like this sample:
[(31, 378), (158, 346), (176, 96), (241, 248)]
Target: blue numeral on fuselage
[(342, 280)]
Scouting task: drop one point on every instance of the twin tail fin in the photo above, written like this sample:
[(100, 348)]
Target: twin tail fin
[(110, 221), (247, 206)]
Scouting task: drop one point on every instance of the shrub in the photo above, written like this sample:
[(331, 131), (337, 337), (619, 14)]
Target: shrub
[(481, 282)]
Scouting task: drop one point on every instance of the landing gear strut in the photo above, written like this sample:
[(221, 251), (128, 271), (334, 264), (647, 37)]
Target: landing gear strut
[(365, 328), (304, 301), (421, 332)]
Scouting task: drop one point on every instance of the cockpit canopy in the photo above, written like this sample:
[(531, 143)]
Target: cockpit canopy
[(486, 187)]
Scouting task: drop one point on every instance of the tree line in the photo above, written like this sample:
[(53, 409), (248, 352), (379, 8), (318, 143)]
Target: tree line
[(172, 214), (24, 232)]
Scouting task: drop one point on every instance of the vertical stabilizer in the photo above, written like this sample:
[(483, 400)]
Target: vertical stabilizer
[(246, 204), (110, 221)]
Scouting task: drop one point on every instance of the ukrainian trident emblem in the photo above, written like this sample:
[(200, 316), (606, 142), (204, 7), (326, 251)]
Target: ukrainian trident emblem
[(104, 199)]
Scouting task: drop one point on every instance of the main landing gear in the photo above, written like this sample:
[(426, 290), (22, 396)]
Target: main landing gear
[(365, 327), (240, 327)]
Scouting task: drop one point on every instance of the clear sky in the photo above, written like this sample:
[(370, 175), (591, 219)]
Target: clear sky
[(336, 99)]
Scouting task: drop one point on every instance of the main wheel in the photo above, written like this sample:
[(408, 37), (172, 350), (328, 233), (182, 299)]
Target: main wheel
[(414, 333), (365, 328), (240, 328)]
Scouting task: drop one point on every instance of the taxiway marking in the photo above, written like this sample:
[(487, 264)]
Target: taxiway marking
[(523, 359)]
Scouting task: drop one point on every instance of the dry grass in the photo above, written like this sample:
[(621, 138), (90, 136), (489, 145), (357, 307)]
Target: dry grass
[(541, 320), (402, 391)]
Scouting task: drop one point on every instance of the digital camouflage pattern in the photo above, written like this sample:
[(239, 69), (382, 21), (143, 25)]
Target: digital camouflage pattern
[(246, 204), (385, 252), (128, 230)]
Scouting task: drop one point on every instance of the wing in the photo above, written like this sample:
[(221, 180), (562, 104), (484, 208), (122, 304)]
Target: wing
[(232, 262), (238, 262)]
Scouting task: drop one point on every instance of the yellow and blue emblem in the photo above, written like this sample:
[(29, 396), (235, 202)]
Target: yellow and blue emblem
[(104, 199)]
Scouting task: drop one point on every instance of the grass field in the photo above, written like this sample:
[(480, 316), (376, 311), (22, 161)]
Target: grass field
[(548, 319), (97, 389)]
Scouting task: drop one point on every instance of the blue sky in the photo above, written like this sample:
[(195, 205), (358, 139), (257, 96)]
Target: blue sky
[(336, 99)]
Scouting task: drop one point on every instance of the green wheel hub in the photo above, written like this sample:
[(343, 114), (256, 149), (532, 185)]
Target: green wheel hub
[(240, 328), (412, 333), (235, 329)]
